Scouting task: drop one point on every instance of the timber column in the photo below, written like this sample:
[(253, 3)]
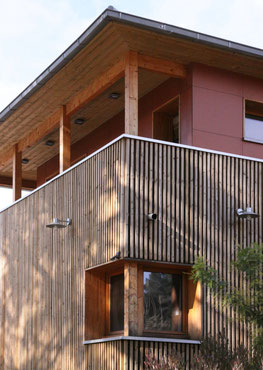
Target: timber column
[(131, 93), (17, 173), (64, 140)]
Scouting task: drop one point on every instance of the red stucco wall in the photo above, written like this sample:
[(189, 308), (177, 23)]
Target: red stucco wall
[(218, 98), (211, 115)]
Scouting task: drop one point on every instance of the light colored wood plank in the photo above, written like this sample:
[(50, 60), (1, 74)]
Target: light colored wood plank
[(17, 173), (96, 87), (64, 140), (131, 93), (159, 65)]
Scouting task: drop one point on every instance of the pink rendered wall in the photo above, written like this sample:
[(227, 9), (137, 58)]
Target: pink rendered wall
[(161, 95), (218, 98)]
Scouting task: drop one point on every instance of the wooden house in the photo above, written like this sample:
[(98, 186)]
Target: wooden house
[(142, 139)]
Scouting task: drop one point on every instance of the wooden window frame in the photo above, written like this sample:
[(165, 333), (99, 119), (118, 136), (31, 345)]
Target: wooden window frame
[(172, 271), (163, 106), (97, 300), (108, 275)]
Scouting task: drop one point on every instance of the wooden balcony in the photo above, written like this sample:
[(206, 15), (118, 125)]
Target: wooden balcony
[(108, 195)]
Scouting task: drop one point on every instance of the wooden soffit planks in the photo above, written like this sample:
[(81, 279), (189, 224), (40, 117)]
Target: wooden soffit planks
[(96, 87)]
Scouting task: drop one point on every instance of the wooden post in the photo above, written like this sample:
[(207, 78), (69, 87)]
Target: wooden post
[(130, 299), (131, 93), (64, 140), (17, 173)]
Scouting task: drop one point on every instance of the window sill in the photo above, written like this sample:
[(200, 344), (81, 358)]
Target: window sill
[(146, 339), (254, 141)]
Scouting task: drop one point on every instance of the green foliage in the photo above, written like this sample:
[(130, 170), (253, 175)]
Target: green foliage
[(247, 303)]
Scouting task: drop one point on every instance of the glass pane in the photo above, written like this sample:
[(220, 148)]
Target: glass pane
[(253, 129), (117, 303), (162, 301)]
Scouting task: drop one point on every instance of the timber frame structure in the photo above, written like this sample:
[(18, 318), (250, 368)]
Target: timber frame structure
[(138, 134)]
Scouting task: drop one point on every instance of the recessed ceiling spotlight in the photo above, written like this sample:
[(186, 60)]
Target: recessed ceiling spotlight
[(79, 121), (114, 95), (50, 142), (25, 160)]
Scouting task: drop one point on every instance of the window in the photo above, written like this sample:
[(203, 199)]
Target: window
[(166, 122), (163, 302), (116, 303), (142, 298), (253, 123)]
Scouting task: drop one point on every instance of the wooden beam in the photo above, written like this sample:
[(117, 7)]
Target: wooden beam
[(131, 93), (41, 131), (27, 184), (32, 138), (165, 66), (130, 299), (96, 87), (17, 173), (64, 140)]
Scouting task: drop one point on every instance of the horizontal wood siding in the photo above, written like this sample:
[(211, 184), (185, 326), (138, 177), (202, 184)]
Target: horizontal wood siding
[(195, 195)]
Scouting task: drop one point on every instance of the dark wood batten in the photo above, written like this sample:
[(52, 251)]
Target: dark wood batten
[(108, 196)]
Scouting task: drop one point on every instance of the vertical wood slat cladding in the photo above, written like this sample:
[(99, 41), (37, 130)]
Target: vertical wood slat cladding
[(195, 195), (130, 354)]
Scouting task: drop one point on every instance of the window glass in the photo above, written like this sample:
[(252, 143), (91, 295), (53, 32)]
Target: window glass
[(162, 301), (117, 303), (253, 128)]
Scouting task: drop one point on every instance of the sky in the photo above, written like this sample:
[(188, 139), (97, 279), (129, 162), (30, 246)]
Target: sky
[(33, 33)]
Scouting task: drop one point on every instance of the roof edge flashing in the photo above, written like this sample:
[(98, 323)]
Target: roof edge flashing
[(100, 22)]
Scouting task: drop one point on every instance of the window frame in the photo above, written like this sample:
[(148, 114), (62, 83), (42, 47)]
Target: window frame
[(97, 300), (253, 114), (108, 275), (173, 271)]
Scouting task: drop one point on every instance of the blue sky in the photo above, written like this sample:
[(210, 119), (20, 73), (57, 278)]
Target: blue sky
[(34, 32)]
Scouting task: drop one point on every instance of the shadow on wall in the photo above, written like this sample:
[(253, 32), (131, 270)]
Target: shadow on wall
[(108, 197)]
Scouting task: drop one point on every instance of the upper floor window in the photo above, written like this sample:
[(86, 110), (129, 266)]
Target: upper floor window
[(166, 125), (253, 125)]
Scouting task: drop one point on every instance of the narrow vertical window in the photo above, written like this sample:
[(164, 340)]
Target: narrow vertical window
[(117, 303)]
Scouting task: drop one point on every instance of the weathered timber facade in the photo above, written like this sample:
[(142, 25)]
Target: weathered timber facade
[(194, 194), (162, 128)]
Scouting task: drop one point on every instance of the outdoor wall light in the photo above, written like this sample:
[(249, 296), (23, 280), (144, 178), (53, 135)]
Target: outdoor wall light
[(247, 213), (25, 160), (59, 224), (152, 216)]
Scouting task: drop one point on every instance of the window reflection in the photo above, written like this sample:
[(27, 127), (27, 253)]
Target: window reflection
[(162, 301)]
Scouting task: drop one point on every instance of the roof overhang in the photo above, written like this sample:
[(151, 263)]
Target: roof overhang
[(110, 15)]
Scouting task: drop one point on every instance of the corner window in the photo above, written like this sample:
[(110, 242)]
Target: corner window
[(142, 299), (253, 123)]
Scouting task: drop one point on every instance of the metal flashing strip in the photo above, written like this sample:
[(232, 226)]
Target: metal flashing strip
[(136, 138), (145, 339), (113, 15)]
